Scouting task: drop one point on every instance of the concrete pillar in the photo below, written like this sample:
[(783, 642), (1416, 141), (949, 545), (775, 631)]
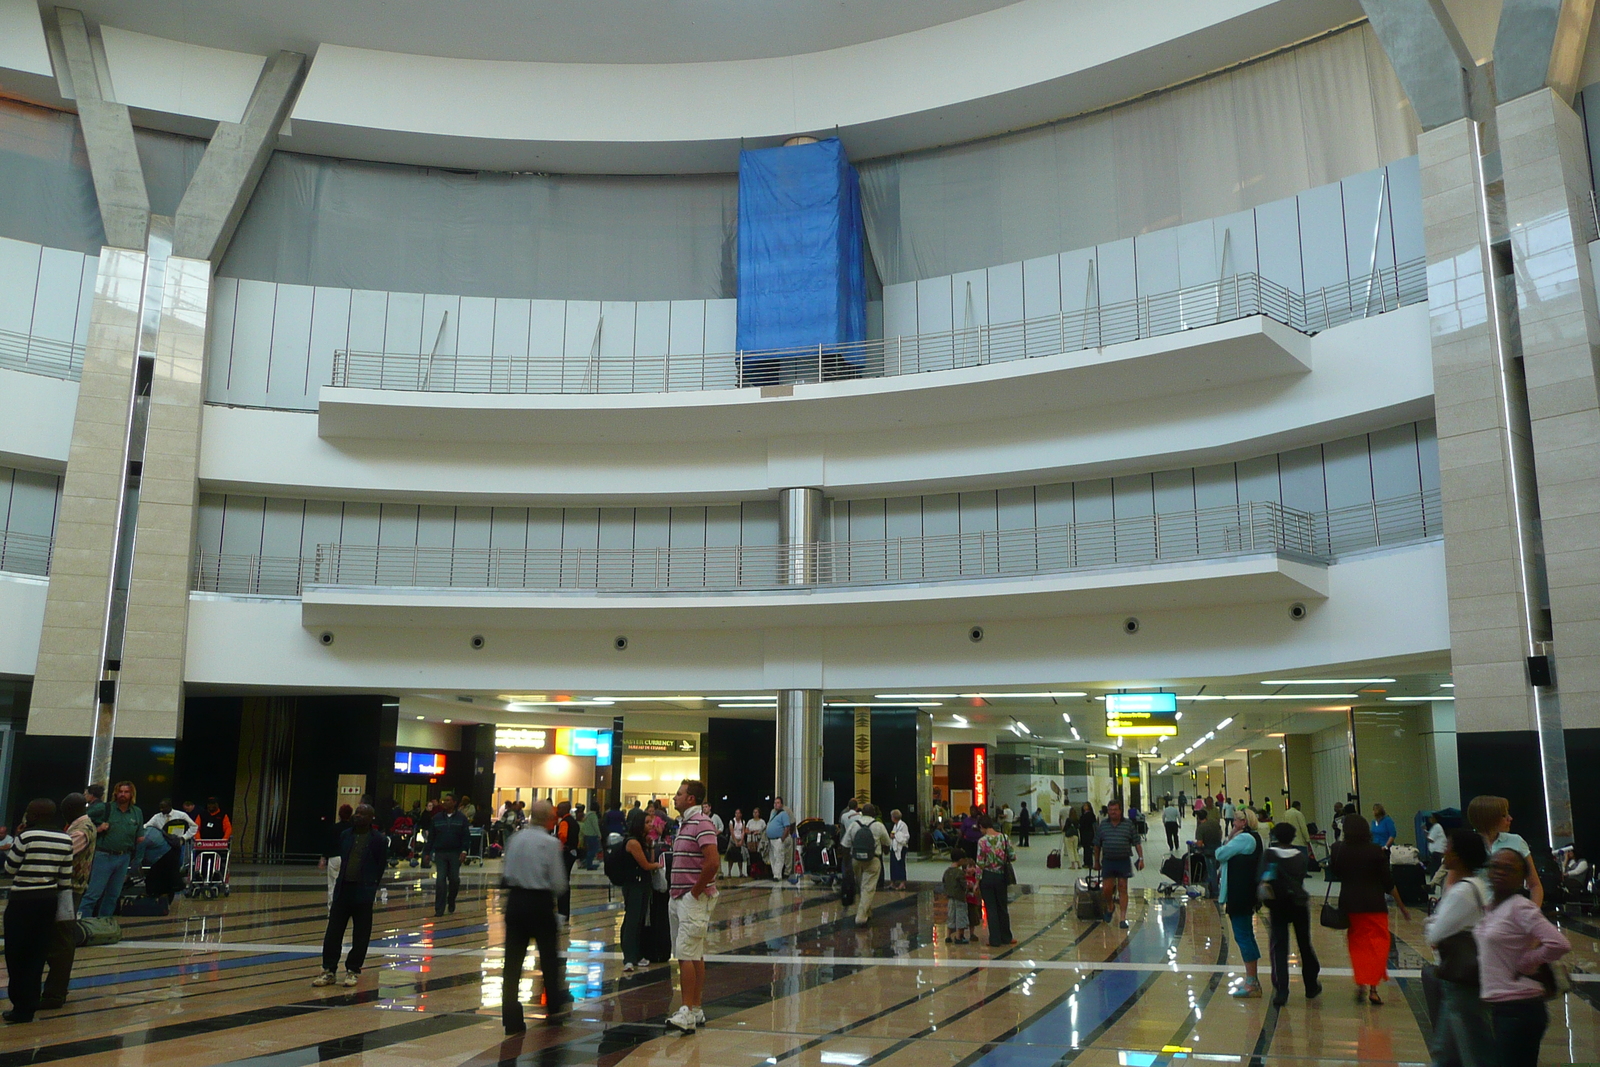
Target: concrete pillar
[(800, 752), (800, 534), (111, 653)]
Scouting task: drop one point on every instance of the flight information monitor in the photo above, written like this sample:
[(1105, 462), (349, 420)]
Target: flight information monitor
[(1141, 715)]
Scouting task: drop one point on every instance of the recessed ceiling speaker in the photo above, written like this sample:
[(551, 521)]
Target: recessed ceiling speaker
[(326, 637), (975, 634), (477, 641), (1130, 625), (619, 643), (1297, 611)]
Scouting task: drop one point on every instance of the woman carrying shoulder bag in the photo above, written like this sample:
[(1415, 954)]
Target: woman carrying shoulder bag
[(1516, 945), (1461, 1032), (636, 892), (1362, 870)]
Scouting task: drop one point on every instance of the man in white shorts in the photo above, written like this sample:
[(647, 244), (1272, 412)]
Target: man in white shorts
[(693, 892)]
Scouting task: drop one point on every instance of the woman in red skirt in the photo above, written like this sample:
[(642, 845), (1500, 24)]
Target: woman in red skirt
[(1362, 870)]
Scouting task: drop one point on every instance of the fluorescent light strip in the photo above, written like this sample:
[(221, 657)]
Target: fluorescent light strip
[(668, 700), (519, 704), (915, 696), (901, 704), (961, 719), (1003, 696), (752, 704), (1413, 700), (1327, 681)]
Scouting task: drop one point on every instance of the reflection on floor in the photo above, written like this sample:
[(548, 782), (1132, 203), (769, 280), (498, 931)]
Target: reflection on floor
[(792, 982)]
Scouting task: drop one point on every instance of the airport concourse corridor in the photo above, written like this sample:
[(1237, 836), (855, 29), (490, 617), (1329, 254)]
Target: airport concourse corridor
[(790, 979)]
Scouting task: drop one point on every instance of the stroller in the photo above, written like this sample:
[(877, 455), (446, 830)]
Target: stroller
[(819, 854)]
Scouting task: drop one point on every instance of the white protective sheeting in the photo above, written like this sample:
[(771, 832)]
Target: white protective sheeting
[(1263, 131)]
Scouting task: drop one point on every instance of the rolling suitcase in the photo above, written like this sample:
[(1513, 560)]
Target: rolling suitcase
[(1087, 900), (1053, 861), (1173, 869)]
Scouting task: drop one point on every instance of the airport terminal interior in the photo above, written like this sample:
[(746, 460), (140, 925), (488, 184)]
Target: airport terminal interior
[(1049, 428)]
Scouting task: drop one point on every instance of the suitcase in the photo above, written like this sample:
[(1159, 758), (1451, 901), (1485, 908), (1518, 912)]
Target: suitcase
[(88, 933), (135, 906), (1411, 884), (1053, 861), (1087, 900), (759, 868), (1173, 869)]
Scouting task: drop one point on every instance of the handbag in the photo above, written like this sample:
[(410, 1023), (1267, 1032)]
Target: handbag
[(1333, 915), (658, 879), (1556, 977), (1011, 873), (1458, 958)]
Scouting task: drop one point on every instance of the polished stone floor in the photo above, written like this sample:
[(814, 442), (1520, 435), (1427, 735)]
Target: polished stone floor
[(792, 981)]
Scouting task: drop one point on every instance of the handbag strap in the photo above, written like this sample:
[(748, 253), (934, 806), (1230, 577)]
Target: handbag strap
[(1327, 896)]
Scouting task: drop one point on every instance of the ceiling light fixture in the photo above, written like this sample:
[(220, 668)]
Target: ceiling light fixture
[(516, 705), (1066, 718), (741, 704), (1413, 700), (668, 700), (1003, 696), (1328, 681), (1447, 685), (900, 704), (916, 696), (1224, 724), (961, 720)]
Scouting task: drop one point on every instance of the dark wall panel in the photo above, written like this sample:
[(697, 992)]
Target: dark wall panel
[(1505, 763), (838, 756), (741, 756), (208, 755), (336, 735)]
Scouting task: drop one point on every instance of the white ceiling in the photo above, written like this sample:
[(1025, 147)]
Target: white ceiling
[(560, 31)]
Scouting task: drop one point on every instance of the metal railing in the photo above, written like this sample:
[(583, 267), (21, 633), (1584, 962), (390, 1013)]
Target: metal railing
[(1144, 540), (40, 355), (1228, 299), (22, 553)]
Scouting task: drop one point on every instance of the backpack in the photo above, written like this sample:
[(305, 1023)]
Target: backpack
[(863, 846), (621, 869)]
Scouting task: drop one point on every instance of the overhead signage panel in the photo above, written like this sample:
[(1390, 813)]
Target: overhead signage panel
[(1141, 715)]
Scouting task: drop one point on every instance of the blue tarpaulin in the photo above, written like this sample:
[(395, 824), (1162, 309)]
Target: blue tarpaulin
[(802, 279)]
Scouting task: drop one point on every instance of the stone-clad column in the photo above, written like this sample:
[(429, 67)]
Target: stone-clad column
[(1548, 211)]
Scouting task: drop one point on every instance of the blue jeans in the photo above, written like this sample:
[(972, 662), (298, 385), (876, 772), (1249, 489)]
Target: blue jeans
[(591, 849), (105, 885), (153, 844)]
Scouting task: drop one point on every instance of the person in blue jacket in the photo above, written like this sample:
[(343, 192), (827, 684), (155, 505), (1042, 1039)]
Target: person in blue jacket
[(364, 856), (1383, 831)]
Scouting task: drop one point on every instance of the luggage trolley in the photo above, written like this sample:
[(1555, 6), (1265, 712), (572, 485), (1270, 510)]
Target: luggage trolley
[(209, 877), (477, 839)]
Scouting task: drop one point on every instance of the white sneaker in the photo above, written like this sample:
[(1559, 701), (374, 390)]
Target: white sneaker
[(351, 978), (627, 968), (326, 978), (683, 1019), (699, 1017)]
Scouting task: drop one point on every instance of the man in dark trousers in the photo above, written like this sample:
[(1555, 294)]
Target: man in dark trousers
[(363, 857), (447, 843), (535, 874)]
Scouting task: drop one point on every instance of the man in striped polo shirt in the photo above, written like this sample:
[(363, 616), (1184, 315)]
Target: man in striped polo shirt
[(1115, 841), (40, 867), (694, 895)]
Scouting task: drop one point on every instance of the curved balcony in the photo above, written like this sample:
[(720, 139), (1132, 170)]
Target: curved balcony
[(1229, 299), (1140, 541)]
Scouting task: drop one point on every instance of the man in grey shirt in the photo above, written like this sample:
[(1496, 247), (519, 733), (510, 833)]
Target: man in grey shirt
[(535, 874)]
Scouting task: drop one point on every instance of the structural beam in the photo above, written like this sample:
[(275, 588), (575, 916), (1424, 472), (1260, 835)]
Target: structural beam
[(108, 135), (1539, 44), (234, 161), (1431, 60)]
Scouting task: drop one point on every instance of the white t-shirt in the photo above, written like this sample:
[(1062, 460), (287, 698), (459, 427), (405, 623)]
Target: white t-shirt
[(755, 828), (1437, 841), (185, 829), (716, 821)]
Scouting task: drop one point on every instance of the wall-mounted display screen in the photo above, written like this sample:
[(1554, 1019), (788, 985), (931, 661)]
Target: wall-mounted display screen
[(581, 742), (408, 762), (1141, 715)]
